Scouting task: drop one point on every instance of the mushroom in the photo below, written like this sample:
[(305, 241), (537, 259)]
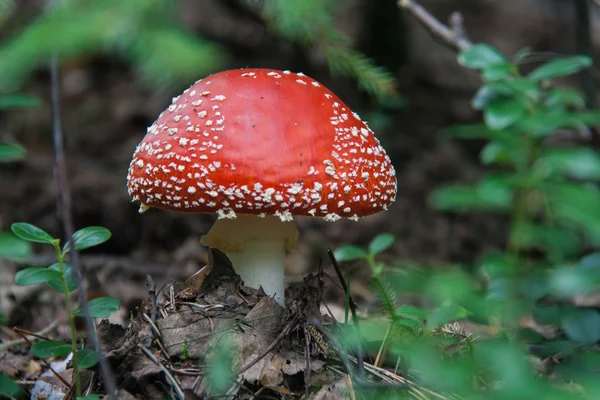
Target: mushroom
[(258, 147)]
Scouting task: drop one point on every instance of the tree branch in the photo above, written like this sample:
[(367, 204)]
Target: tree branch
[(453, 35)]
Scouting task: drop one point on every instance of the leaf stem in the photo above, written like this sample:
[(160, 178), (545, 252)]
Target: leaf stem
[(65, 286)]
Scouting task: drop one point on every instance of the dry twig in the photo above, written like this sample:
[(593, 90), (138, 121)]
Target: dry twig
[(60, 169), (172, 381), (454, 36), (352, 305)]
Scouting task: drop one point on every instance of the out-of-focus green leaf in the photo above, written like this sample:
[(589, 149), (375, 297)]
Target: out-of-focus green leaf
[(575, 206), (101, 307), (14, 248), (545, 122), (350, 253), (522, 54), (446, 313), (497, 264), (380, 243), (31, 233), (560, 67), (411, 312), (564, 97), (502, 113), (489, 195), (12, 152), (50, 348), (554, 240), (504, 152), (35, 275), (582, 325), (56, 283), (491, 92), (547, 314), (8, 387), (573, 280), (481, 56), (579, 163), (497, 72), (8, 101)]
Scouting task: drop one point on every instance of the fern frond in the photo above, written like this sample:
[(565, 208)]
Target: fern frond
[(386, 295)]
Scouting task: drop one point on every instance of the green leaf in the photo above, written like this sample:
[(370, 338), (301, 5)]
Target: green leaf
[(89, 237), (564, 97), (489, 195), (86, 358), (89, 397), (495, 152), (411, 312), (481, 56), (578, 163), (56, 283), (350, 253), (35, 275), (11, 152), (582, 325), (572, 281), (502, 113), (31, 233), (8, 101), (14, 248), (547, 314), (381, 243), (522, 54), (491, 92), (8, 387), (101, 307), (498, 72), (560, 67), (575, 206), (50, 348), (554, 240), (446, 313)]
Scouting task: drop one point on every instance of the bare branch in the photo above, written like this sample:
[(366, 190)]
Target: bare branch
[(453, 35)]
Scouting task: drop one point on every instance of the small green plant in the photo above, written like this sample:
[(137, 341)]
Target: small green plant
[(531, 300), (184, 350), (58, 276)]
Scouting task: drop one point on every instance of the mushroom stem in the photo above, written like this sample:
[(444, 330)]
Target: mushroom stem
[(260, 263), (256, 247)]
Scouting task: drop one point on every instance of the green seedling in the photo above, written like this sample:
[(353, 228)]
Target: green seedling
[(59, 277)]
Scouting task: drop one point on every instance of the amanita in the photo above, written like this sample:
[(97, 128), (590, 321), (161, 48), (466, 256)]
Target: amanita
[(257, 147)]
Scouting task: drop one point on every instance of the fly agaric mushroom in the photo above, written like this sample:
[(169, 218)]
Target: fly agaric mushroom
[(257, 147)]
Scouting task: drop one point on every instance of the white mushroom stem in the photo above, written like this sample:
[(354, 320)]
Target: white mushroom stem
[(256, 247)]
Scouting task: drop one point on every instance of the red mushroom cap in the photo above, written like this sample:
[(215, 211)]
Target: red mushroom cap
[(260, 141)]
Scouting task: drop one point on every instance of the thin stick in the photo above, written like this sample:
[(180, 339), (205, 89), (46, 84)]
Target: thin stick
[(152, 294), (170, 378), (454, 37), (64, 200), (307, 367), (352, 304), (60, 378), (266, 351), (40, 335)]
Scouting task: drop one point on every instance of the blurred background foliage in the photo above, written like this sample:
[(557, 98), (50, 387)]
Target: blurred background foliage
[(513, 239)]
